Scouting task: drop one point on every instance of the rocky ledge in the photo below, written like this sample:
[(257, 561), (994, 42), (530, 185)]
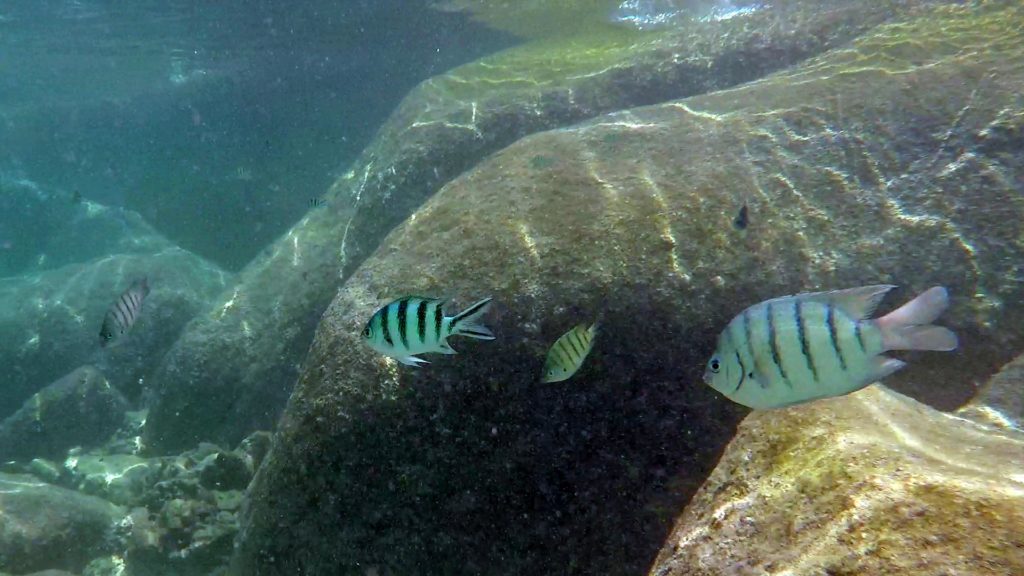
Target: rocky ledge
[(871, 483)]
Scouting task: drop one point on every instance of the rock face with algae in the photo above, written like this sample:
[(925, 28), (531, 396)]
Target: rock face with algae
[(858, 166), (870, 483), (227, 375)]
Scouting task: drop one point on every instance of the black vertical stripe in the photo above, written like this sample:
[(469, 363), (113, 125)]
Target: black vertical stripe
[(568, 352), (576, 333), (403, 328), (860, 337), (743, 372), (830, 318), (569, 339), (384, 328), (438, 320), (119, 315), (750, 341), (128, 308), (774, 344), (798, 313), (421, 320)]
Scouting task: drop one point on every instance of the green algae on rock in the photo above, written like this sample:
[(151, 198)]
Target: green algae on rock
[(870, 483), (225, 376), (855, 166)]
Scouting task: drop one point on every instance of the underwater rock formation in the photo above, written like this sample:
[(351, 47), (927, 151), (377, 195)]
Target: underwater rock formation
[(870, 483), (50, 320), (46, 527), (857, 167), (226, 376), (44, 229), (80, 409), (1000, 402)]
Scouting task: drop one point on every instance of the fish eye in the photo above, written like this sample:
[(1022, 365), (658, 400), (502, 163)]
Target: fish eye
[(715, 365), (367, 332)]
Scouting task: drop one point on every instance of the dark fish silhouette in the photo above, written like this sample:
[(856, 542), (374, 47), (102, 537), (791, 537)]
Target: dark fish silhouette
[(124, 312), (742, 219), (76, 198), (317, 202)]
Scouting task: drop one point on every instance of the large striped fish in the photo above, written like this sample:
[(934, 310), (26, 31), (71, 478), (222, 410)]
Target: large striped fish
[(124, 312), (568, 353), (799, 348), (416, 325)]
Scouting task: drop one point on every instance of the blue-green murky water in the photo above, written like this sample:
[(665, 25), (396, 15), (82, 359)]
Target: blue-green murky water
[(277, 172)]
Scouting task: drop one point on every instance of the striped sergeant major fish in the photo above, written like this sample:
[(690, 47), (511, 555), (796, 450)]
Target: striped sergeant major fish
[(800, 348), (124, 311), (416, 325), (568, 353)]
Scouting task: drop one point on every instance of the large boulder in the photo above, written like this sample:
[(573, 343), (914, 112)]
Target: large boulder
[(232, 371), (46, 527), (80, 409), (50, 320), (872, 483), (855, 168)]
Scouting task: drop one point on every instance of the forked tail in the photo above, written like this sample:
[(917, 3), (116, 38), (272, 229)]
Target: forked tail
[(910, 327), (466, 323)]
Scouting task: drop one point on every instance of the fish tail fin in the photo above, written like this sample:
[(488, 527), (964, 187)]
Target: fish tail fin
[(909, 326), (466, 323), (144, 285)]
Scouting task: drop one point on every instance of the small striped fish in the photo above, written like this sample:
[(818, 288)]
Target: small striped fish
[(414, 325), (124, 312), (568, 353), (799, 348)]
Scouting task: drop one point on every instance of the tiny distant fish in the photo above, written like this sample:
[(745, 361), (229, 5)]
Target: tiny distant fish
[(415, 325), (124, 312), (742, 219), (317, 202), (76, 197), (568, 353), (799, 348)]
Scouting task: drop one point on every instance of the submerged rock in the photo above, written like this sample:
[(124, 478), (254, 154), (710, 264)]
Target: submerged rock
[(855, 168), (871, 483), (1000, 402), (45, 229), (229, 374), (50, 320), (46, 527), (80, 409)]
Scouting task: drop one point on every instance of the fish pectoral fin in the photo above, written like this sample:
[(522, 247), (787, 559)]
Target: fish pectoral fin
[(412, 361), (883, 366), (445, 348)]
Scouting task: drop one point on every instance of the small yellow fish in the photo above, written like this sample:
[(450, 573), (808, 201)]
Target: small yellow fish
[(568, 352)]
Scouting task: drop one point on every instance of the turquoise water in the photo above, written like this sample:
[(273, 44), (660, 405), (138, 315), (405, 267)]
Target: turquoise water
[(278, 173)]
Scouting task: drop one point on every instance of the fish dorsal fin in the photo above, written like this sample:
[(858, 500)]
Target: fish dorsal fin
[(858, 303)]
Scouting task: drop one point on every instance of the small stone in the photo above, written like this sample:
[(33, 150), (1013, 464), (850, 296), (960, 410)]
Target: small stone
[(44, 469)]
